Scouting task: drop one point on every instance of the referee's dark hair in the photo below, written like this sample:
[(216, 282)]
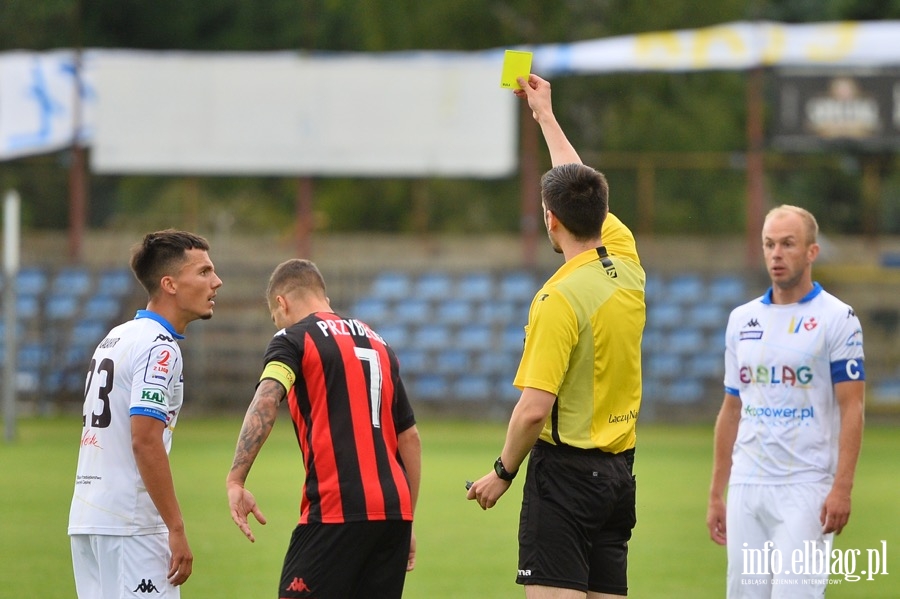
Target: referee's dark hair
[(578, 196)]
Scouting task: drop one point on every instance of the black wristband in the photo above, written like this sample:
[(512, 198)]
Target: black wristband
[(502, 472)]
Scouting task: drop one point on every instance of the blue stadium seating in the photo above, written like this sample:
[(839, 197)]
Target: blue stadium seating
[(61, 307), (391, 285), (433, 286), (429, 387), (115, 281), (72, 280), (475, 286), (31, 280), (686, 289), (475, 387)]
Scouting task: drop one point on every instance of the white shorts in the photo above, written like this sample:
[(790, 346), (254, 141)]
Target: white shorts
[(776, 548), (110, 567)]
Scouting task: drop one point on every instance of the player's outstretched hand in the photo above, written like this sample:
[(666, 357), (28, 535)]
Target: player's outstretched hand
[(835, 512), (715, 521), (242, 504)]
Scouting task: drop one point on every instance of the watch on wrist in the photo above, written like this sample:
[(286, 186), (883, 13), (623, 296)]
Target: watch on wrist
[(502, 472)]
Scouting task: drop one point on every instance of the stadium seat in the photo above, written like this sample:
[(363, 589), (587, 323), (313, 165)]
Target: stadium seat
[(454, 312), (501, 312), (506, 392), (61, 307), (475, 286), (452, 362), (685, 341), (431, 337), (115, 281), (473, 387), (513, 338), (414, 311), (707, 315), (686, 289), (31, 280), (391, 285), (684, 391), (664, 315), (396, 334), (72, 280), (102, 307), (474, 337), (655, 288), (433, 285), (502, 363), (372, 310), (88, 332), (517, 285), (707, 365), (28, 307), (429, 387), (663, 365), (413, 362), (728, 290)]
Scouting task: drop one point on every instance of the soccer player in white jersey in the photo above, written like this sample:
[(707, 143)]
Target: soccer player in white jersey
[(788, 435), (127, 533)]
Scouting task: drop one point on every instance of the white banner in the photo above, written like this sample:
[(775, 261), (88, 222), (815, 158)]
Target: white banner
[(282, 114)]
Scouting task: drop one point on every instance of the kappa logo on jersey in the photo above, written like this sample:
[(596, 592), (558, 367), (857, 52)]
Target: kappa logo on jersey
[(146, 586), (153, 396), (162, 337), (751, 335), (850, 313), (298, 586), (804, 323)]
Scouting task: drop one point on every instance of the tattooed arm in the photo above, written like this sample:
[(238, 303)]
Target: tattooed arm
[(258, 423)]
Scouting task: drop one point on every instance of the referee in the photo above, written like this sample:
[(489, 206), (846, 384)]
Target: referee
[(580, 377)]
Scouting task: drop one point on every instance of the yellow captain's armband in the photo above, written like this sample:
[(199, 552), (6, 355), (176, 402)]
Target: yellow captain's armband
[(281, 373)]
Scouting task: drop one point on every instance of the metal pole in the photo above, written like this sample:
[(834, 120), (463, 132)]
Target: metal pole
[(10, 269)]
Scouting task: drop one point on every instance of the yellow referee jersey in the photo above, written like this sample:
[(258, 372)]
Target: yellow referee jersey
[(583, 344)]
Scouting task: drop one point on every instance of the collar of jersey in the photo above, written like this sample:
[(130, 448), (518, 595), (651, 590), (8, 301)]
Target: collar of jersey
[(159, 319), (816, 290), (580, 260)]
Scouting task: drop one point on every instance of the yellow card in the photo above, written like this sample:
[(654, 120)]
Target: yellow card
[(515, 64)]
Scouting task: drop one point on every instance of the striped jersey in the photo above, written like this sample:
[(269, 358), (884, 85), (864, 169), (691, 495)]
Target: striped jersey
[(583, 344), (782, 361), (135, 370), (348, 406)]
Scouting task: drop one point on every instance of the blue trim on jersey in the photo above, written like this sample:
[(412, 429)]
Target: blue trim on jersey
[(732, 391), (142, 411), (816, 290), (159, 319), (848, 370)]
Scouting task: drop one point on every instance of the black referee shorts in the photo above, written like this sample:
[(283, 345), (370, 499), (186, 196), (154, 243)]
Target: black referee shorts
[(578, 511), (355, 560)]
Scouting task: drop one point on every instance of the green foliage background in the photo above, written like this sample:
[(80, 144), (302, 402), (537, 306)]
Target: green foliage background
[(689, 112)]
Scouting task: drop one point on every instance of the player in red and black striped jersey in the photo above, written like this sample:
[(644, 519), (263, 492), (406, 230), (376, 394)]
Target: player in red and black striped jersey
[(357, 432)]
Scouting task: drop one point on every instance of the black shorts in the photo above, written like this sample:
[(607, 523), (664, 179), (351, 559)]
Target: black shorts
[(346, 561), (578, 510)]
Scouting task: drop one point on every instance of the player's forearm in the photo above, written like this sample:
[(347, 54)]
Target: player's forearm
[(153, 464), (410, 448), (258, 423), (725, 436), (849, 442)]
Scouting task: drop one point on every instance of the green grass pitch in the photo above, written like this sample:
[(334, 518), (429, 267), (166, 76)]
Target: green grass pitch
[(463, 551)]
